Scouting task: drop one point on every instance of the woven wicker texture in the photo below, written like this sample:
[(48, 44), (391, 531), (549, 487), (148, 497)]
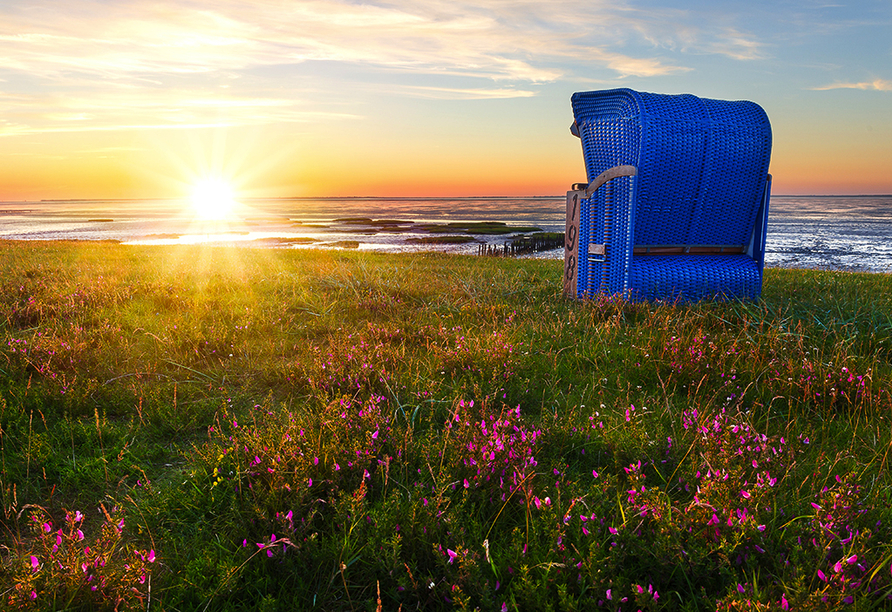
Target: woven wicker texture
[(702, 171), (671, 277)]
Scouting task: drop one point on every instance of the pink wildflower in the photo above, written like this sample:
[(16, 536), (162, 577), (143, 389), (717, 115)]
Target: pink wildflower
[(452, 555), (35, 563)]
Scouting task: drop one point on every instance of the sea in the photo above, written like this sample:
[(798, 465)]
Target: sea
[(848, 233)]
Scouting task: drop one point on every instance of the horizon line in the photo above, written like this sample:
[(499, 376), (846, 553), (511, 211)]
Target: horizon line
[(419, 197)]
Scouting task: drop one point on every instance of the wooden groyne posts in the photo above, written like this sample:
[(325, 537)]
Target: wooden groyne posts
[(532, 243)]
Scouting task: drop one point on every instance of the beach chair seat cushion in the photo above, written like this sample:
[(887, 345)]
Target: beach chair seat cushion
[(694, 277)]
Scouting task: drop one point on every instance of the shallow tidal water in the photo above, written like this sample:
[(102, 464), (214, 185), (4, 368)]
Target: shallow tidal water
[(827, 232)]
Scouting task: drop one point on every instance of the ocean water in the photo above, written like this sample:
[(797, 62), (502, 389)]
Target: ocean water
[(829, 232)]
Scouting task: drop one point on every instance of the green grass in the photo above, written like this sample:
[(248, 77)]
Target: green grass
[(432, 432)]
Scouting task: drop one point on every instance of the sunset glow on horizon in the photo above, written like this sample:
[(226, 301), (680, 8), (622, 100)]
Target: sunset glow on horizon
[(423, 98), (213, 199)]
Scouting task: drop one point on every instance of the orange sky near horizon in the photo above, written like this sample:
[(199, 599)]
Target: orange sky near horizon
[(323, 98)]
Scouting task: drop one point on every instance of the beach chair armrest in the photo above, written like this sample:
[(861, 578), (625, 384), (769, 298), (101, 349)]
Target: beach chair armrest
[(607, 175)]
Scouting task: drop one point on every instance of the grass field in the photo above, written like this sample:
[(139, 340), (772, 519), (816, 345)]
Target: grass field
[(200, 428)]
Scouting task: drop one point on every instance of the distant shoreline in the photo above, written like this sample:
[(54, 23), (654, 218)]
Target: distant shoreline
[(393, 198), (845, 232)]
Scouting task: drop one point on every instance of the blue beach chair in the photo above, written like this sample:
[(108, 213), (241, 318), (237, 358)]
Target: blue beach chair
[(676, 205)]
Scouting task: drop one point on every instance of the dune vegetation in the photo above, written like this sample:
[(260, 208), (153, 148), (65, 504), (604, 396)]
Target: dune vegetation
[(219, 428)]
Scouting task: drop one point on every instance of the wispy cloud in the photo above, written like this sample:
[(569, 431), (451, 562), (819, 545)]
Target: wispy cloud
[(121, 40), (875, 85), (447, 93), (129, 108), (168, 63), (737, 45)]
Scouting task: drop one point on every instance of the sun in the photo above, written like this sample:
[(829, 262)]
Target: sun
[(213, 199)]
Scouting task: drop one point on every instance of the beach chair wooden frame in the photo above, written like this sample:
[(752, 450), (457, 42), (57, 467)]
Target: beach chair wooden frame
[(676, 207)]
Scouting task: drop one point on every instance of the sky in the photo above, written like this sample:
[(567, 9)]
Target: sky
[(142, 99)]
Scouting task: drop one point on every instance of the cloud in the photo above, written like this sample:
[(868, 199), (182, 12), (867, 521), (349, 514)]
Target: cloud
[(447, 93), (736, 45), (133, 40), (170, 63), (875, 85), (128, 108), (629, 66)]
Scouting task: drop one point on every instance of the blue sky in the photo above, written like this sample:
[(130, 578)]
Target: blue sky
[(415, 97)]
